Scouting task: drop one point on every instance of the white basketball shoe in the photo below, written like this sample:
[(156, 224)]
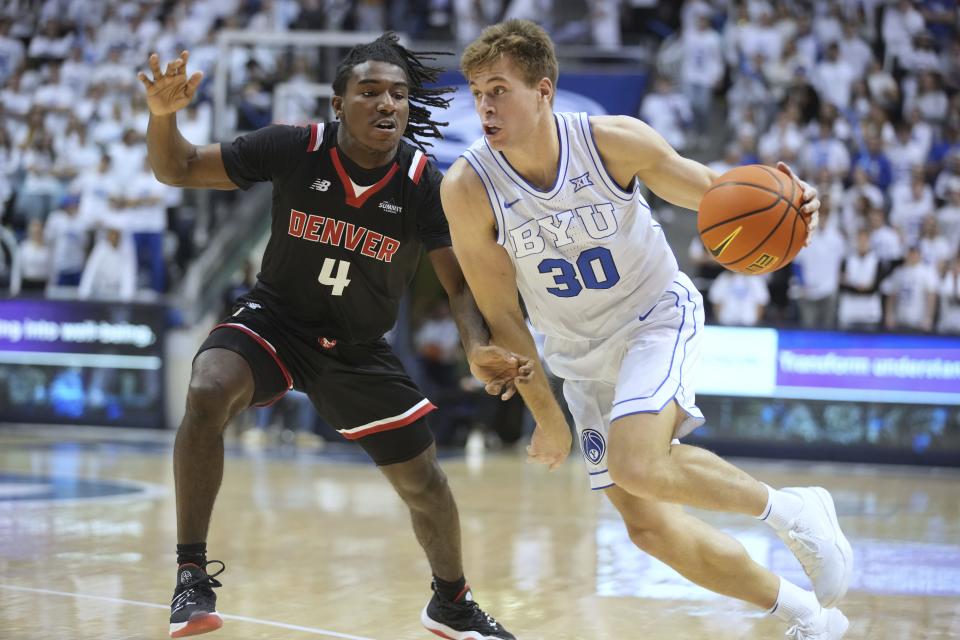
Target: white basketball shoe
[(831, 624), (818, 543)]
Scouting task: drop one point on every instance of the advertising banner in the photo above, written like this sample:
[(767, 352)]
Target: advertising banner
[(814, 365), (81, 362)]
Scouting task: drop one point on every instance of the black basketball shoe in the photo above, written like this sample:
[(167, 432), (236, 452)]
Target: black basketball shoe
[(194, 607), (462, 619)]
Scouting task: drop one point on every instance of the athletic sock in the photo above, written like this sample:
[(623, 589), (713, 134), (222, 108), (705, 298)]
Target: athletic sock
[(194, 553), (781, 510), (794, 604), (450, 591)]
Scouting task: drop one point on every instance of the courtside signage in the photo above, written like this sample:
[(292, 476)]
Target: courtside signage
[(813, 365)]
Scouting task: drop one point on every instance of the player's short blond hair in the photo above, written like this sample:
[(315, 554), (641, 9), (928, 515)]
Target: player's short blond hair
[(524, 42)]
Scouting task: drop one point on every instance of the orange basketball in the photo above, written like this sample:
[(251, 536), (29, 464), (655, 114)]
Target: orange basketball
[(750, 221)]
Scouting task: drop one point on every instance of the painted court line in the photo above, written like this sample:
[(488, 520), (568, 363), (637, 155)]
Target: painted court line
[(267, 623)]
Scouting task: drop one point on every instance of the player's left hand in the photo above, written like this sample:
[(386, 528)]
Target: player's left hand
[(810, 209), (550, 446), (499, 370)]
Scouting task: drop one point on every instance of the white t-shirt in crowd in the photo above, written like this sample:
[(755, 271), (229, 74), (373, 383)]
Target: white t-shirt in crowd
[(151, 218), (911, 284), (66, 235), (949, 321), (702, 58), (886, 243), (820, 263), (34, 261), (110, 273), (737, 297)]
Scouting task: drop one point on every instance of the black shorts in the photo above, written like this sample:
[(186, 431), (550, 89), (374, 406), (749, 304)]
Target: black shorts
[(361, 390)]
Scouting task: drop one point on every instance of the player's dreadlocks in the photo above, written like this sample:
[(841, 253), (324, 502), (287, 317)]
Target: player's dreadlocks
[(387, 48)]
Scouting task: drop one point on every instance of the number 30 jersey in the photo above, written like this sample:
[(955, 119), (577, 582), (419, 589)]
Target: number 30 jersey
[(345, 241), (589, 256)]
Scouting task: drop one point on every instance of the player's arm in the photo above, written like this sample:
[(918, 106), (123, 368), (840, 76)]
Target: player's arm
[(630, 147), (174, 159), (492, 279), (498, 368)]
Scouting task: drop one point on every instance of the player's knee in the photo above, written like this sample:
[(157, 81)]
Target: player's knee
[(650, 536), (209, 403), (639, 476), (421, 484)]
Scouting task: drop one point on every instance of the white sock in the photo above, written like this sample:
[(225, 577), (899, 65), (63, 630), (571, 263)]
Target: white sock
[(781, 510), (794, 604)]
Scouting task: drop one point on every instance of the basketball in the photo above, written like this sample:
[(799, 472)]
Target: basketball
[(749, 220)]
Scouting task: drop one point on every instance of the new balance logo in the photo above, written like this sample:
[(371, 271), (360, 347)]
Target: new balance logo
[(389, 207), (320, 184)]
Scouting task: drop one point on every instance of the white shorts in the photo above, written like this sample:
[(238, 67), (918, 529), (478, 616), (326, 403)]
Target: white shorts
[(639, 369)]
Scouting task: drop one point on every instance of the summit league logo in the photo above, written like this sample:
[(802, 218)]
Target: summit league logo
[(593, 445)]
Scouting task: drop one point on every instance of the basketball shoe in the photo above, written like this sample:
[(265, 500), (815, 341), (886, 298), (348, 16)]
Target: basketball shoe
[(462, 619), (816, 540), (194, 607), (831, 624)]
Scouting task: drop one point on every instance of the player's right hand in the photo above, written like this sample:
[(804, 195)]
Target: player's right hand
[(171, 90), (550, 446)]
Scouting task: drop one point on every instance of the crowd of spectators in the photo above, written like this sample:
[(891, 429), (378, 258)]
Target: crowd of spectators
[(861, 98)]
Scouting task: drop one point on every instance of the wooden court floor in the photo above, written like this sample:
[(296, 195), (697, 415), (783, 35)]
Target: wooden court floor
[(317, 546)]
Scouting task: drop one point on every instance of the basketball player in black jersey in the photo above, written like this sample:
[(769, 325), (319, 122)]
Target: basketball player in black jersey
[(353, 206)]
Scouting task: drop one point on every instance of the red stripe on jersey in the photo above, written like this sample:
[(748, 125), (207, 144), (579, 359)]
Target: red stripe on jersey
[(419, 170), (313, 138), (395, 424), (352, 199), (269, 349)]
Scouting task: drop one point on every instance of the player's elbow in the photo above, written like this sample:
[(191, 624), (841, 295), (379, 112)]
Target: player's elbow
[(169, 178)]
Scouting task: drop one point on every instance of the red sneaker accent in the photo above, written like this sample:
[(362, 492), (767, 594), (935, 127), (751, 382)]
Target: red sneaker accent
[(198, 624)]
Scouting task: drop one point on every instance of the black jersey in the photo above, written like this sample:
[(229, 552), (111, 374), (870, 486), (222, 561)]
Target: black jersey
[(340, 254)]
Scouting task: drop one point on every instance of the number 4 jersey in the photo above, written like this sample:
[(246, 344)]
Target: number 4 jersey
[(345, 241), (589, 257)]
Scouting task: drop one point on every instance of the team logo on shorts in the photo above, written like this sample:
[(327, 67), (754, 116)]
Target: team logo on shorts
[(593, 445)]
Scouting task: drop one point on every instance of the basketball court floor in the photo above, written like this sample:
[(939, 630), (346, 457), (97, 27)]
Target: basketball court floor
[(317, 546)]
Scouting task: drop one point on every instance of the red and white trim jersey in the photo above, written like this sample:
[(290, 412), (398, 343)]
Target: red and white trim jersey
[(345, 241)]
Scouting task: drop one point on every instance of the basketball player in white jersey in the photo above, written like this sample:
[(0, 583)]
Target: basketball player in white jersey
[(551, 201)]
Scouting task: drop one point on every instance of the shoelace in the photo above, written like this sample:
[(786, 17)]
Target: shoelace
[(806, 549), (209, 581), (489, 618)]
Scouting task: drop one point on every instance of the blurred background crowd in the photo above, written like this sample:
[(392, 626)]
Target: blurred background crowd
[(861, 97)]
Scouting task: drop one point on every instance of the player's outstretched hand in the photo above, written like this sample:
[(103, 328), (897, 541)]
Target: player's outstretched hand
[(549, 446), (810, 209), (500, 370), (171, 90)]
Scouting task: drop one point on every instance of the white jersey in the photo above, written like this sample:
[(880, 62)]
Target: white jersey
[(589, 256)]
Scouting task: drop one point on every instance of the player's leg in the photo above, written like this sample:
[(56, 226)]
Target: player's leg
[(390, 426), (712, 559), (422, 485), (221, 386), (408, 458), (654, 403), (234, 368), (644, 463)]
